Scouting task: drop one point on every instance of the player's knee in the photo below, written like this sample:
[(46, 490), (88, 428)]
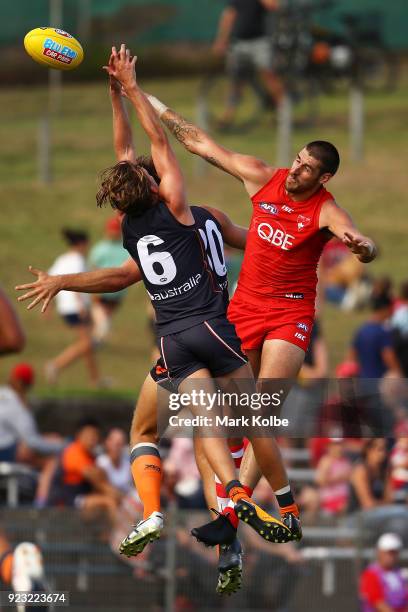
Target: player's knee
[(143, 433)]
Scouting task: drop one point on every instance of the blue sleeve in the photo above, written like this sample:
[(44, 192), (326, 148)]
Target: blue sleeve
[(385, 339)]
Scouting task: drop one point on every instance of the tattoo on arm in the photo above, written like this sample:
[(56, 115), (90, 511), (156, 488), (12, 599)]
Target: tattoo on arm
[(214, 161), (184, 131), (189, 134)]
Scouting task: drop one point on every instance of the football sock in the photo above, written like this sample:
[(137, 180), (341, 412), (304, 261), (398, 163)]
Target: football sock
[(236, 491), (146, 469), (286, 502), (237, 452)]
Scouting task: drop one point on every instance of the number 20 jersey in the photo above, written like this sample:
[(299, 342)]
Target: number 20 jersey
[(182, 266)]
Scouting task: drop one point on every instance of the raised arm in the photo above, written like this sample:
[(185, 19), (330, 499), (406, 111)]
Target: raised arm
[(122, 131), (104, 280), (339, 222), (253, 172), (233, 235), (171, 188)]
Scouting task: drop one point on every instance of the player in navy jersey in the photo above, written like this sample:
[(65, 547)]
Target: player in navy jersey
[(215, 227)]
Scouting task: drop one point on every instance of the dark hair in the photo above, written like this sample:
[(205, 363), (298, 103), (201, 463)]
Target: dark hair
[(74, 236), (326, 153), (126, 187), (146, 161), (368, 446), (87, 422), (380, 301)]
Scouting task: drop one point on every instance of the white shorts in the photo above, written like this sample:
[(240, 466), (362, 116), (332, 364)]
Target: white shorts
[(258, 51)]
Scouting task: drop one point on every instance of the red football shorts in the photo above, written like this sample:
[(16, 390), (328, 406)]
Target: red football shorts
[(280, 319)]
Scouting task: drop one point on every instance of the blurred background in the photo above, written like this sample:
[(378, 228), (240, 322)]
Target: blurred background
[(335, 71)]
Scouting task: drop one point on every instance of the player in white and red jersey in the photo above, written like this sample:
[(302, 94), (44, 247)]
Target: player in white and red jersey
[(293, 218)]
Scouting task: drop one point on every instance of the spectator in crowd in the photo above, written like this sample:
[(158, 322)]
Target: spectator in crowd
[(12, 337), (369, 481), (372, 345), (383, 586), (108, 253), (399, 327), (343, 415), (20, 440), (78, 481), (373, 350), (115, 461), (341, 277), (243, 35), (399, 468), (21, 568), (181, 467), (332, 476), (74, 308)]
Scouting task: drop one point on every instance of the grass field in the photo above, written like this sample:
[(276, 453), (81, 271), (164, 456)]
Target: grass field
[(374, 191)]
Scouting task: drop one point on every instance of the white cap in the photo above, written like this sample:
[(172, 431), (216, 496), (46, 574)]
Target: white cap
[(389, 541)]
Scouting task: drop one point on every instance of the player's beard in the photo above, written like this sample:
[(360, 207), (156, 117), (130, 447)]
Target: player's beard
[(294, 186)]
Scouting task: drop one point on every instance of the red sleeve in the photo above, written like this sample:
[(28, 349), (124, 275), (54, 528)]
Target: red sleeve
[(370, 588)]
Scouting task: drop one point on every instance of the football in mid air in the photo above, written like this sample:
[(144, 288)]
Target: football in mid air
[(54, 48)]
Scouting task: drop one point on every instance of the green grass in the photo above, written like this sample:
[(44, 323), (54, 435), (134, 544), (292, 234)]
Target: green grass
[(374, 191)]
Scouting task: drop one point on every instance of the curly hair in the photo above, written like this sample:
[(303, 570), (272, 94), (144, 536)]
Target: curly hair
[(127, 188), (147, 163)]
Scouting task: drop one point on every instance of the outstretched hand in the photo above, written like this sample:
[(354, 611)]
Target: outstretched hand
[(121, 66), (44, 288), (360, 246)]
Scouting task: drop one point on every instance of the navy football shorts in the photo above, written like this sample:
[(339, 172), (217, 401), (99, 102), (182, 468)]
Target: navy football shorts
[(212, 345)]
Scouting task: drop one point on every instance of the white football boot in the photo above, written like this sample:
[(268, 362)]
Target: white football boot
[(144, 532)]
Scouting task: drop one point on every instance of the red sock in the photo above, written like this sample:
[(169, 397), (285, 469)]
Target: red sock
[(230, 514), (248, 490)]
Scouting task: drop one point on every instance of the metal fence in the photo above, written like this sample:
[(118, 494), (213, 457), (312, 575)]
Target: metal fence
[(176, 573)]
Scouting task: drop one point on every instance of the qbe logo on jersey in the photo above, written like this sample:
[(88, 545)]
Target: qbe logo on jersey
[(276, 236)]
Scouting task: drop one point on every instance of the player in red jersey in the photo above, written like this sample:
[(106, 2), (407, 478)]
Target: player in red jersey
[(293, 217)]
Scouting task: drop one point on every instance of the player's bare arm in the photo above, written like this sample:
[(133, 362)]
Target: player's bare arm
[(171, 188), (253, 172), (105, 280), (12, 337), (339, 222), (122, 131), (233, 235)]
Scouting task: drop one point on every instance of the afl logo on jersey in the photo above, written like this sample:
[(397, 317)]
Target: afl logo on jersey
[(270, 208), (302, 222), (302, 326)]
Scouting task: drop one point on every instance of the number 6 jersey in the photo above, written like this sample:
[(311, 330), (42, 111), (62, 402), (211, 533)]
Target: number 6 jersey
[(183, 266)]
